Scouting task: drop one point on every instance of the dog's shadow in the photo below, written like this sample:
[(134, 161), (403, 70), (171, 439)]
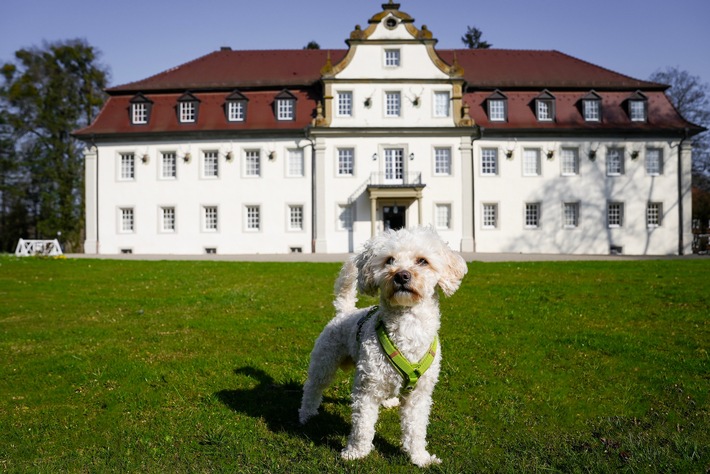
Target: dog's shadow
[(277, 405)]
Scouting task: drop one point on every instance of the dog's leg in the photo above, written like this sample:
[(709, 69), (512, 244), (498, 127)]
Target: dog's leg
[(415, 418), (324, 364), (365, 412)]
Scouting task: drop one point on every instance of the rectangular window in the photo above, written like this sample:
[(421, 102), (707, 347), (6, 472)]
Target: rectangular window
[(531, 162), (296, 167), (569, 160), (532, 215), (210, 164), (139, 113), (167, 221), (252, 163), (442, 104), (544, 110), (654, 161), (285, 109), (253, 217), (442, 161), (615, 162), (127, 222), (128, 166), (654, 214), (168, 165), (592, 109), (443, 216), (235, 111), (570, 215), (345, 217), (346, 161), (490, 216), (295, 217), (345, 104), (393, 104), (210, 218), (615, 214), (489, 162), (187, 112), (637, 110), (496, 110), (392, 58)]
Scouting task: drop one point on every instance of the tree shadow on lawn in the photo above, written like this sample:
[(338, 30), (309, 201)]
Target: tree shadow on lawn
[(277, 404)]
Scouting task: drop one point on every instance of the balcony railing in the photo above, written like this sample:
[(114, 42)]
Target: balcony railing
[(385, 179)]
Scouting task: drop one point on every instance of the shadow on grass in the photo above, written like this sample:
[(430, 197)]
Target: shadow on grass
[(277, 404)]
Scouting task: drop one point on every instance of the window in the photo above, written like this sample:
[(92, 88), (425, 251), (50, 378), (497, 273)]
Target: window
[(127, 222), (187, 108), (532, 215), (167, 219), (654, 214), (442, 216), (295, 217), (252, 163), (637, 105), (615, 162), (545, 107), (345, 104), (295, 165), (210, 218), (531, 162), (615, 214), (570, 215), (394, 165), (346, 161), (253, 218), (236, 107), (490, 216), (592, 110), (497, 107), (393, 103), (489, 162), (168, 165), (392, 58), (442, 161), (345, 217), (285, 104), (442, 104), (569, 161), (128, 166), (210, 164), (140, 109), (654, 161)]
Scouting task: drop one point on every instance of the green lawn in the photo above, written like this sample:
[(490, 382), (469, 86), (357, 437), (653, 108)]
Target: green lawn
[(177, 366)]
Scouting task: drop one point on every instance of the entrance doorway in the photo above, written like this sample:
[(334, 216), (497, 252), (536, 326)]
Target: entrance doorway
[(394, 217)]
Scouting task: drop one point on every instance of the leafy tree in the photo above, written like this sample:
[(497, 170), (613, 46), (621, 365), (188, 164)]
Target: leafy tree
[(472, 39), (312, 45), (691, 97), (46, 94)]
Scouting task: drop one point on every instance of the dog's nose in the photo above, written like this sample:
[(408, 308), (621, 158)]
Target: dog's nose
[(402, 277)]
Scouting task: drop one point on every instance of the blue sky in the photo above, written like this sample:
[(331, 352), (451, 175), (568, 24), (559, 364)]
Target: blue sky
[(141, 38)]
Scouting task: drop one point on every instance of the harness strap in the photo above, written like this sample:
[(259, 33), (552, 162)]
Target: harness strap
[(363, 320), (410, 372)]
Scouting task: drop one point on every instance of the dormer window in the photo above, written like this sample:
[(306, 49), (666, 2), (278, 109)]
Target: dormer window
[(140, 109), (285, 106), (637, 105), (188, 106), (497, 107), (545, 107), (235, 107), (392, 58), (592, 107)]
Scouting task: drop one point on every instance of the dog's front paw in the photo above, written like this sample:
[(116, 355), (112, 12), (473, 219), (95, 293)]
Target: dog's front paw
[(425, 459), (304, 416), (351, 453)]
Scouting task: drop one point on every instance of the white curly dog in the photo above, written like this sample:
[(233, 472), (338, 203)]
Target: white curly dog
[(406, 267)]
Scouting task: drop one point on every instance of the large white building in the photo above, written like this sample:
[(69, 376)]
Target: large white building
[(314, 151)]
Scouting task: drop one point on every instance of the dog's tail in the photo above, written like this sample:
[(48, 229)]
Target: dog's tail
[(346, 288)]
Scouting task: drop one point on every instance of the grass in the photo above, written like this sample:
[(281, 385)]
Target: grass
[(130, 366)]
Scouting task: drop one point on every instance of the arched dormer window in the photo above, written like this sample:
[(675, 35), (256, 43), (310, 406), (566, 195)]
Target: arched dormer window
[(187, 108), (285, 106), (497, 105), (141, 107), (591, 106), (637, 107), (545, 107), (235, 107)]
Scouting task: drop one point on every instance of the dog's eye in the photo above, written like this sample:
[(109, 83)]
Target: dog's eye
[(422, 262), (390, 261)]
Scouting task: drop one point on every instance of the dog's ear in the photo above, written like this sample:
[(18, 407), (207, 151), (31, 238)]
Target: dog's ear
[(366, 283), (453, 271)]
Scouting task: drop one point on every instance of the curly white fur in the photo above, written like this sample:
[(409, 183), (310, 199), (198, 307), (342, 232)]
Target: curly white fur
[(405, 267)]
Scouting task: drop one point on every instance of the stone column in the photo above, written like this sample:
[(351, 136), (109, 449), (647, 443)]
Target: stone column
[(319, 191), (468, 243), (91, 189)]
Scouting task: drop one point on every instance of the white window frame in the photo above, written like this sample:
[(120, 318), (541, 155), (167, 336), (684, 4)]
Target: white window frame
[(285, 109), (496, 110), (442, 161), (637, 110), (442, 104), (168, 165), (295, 218), (346, 161), (592, 110), (168, 216), (442, 216), (615, 161), (127, 220), (236, 110), (654, 215), (532, 216), (570, 215), (615, 214), (210, 218), (187, 111), (654, 166), (252, 163), (489, 215), (295, 163), (393, 104), (345, 104), (139, 113), (569, 161), (489, 162), (544, 109), (252, 218), (210, 164), (532, 162), (392, 58), (127, 166)]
